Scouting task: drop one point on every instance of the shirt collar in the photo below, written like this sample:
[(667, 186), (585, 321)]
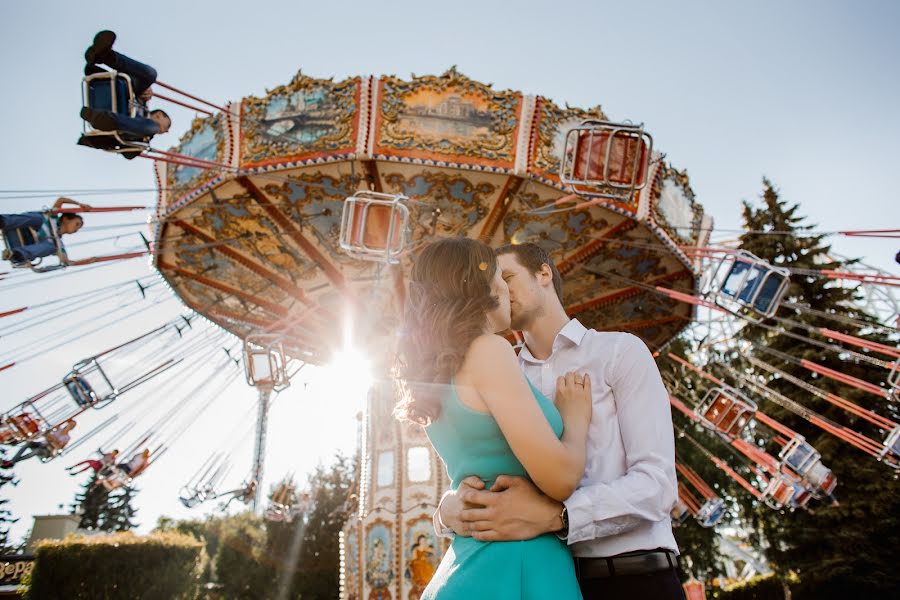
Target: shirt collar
[(573, 331)]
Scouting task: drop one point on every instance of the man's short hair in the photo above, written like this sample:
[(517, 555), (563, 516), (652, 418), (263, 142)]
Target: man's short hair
[(70, 216), (531, 256), (162, 112)]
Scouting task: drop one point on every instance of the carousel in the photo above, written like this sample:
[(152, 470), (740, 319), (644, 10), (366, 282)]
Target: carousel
[(291, 219)]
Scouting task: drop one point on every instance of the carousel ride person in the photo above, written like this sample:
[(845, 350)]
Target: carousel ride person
[(52, 443), (137, 464), (141, 124), (106, 459), (244, 494), (116, 476), (31, 235)]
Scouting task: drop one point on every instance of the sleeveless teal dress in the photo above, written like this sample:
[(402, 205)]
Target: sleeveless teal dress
[(471, 443)]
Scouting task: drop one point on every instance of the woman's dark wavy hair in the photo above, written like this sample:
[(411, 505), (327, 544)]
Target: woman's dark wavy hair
[(446, 309)]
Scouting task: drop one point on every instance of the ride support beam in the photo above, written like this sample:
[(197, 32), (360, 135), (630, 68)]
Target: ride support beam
[(594, 246), (272, 307), (331, 272), (623, 293), (259, 444), (282, 282), (500, 208)]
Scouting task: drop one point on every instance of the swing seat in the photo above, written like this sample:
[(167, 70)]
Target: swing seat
[(80, 390), (711, 512), (110, 91), (821, 479), (892, 444), (779, 492), (14, 239), (679, 513), (375, 226), (799, 455), (801, 496), (23, 426), (89, 385), (607, 160), (265, 364), (894, 380), (744, 281), (726, 410), (116, 479)]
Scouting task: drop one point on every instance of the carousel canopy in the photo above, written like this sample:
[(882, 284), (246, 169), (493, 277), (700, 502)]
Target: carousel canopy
[(254, 242)]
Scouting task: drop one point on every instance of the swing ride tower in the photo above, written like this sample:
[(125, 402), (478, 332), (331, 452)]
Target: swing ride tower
[(249, 233)]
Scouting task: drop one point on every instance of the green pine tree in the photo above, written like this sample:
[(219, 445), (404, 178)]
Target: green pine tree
[(307, 548), (850, 550), (102, 510)]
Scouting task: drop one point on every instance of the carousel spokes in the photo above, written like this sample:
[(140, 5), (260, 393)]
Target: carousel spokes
[(744, 281), (265, 364), (606, 160), (375, 226), (726, 410)]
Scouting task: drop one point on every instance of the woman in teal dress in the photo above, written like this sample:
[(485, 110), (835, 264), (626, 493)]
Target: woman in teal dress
[(462, 382)]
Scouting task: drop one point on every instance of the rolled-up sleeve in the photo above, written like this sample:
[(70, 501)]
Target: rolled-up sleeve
[(647, 489)]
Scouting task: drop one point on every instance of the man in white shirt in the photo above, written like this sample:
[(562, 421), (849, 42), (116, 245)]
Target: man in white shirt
[(617, 522)]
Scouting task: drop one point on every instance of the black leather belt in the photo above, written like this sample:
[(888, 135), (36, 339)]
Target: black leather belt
[(630, 563)]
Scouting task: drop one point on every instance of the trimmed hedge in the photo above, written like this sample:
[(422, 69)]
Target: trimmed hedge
[(759, 588), (160, 566)]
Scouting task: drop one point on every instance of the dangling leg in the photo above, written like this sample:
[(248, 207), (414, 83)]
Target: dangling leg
[(142, 76), (28, 450)]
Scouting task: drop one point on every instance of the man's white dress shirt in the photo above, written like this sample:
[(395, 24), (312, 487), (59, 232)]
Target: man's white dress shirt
[(629, 486)]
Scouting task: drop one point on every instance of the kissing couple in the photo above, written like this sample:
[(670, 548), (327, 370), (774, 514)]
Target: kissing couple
[(561, 458)]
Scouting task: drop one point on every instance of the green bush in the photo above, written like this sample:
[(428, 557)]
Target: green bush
[(161, 566), (766, 587)]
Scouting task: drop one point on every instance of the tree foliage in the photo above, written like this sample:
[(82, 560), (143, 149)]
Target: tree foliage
[(837, 551), (102, 510), (262, 559)]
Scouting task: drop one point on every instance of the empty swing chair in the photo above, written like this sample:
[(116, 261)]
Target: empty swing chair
[(375, 226), (891, 446), (746, 283), (606, 160), (711, 512), (265, 364), (805, 461), (726, 410), (679, 513), (17, 428), (894, 380), (781, 492)]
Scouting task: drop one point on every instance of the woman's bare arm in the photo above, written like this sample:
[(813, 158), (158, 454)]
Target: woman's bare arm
[(555, 465)]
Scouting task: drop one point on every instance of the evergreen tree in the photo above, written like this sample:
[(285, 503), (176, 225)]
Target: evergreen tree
[(850, 550), (307, 548), (6, 517), (696, 544), (102, 510)]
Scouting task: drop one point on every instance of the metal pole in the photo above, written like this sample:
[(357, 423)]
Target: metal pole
[(259, 449)]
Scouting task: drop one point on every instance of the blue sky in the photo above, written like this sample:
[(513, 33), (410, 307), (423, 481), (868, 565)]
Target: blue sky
[(802, 92)]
